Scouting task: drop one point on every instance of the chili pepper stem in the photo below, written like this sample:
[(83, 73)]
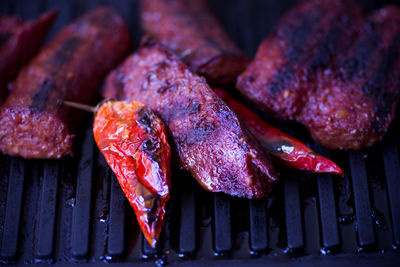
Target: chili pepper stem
[(80, 106)]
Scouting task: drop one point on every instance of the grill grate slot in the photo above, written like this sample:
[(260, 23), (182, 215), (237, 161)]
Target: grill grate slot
[(47, 210), (258, 225), (327, 206), (222, 234), (365, 229), (327, 209), (82, 207), (116, 230), (311, 227), (100, 211), (392, 167), (187, 225), (9, 244), (294, 225)]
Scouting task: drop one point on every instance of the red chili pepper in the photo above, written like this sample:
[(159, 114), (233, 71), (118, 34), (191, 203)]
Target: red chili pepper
[(284, 147), (134, 143)]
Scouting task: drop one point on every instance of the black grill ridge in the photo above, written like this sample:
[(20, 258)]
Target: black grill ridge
[(73, 210)]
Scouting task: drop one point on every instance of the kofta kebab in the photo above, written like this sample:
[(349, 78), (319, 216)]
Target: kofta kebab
[(325, 65)]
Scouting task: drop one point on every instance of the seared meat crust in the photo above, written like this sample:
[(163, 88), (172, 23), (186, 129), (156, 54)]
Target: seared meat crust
[(326, 67), (355, 101), (207, 137), (191, 31), (33, 122)]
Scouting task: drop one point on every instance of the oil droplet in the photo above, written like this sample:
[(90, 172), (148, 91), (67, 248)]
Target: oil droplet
[(71, 202), (288, 251), (109, 258), (44, 260), (378, 219), (346, 219), (186, 255), (160, 262), (254, 253), (103, 217), (325, 251), (220, 254)]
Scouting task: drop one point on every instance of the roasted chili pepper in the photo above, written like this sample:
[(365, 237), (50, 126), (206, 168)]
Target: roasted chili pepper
[(284, 147), (134, 143)]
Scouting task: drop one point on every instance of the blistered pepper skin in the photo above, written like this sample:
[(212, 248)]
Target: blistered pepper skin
[(284, 147), (134, 143)]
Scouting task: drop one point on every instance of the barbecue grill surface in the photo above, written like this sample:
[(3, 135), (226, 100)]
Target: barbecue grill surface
[(72, 210)]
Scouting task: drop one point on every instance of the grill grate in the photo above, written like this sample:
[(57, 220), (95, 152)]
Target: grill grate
[(73, 210), (82, 200)]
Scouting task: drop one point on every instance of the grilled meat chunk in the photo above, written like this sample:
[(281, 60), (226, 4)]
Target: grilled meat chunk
[(192, 32), (305, 40), (208, 138), (33, 122), (19, 42), (354, 103), (327, 68)]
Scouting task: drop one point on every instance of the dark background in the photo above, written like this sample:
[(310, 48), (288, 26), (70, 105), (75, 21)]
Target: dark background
[(222, 227), (247, 21)]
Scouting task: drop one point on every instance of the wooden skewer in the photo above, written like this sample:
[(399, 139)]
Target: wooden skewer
[(85, 107), (80, 106)]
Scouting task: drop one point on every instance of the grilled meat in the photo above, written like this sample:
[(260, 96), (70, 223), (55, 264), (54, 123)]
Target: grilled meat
[(305, 41), (318, 68), (19, 41), (354, 103), (208, 138), (191, 31), (33, 122)]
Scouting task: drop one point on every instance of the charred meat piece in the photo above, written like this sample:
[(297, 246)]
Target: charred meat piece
[(208, 138), (343, 86), (134, 142), (354, 103), (192, 32), (33, 122), (305, 40), (19, 42)]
